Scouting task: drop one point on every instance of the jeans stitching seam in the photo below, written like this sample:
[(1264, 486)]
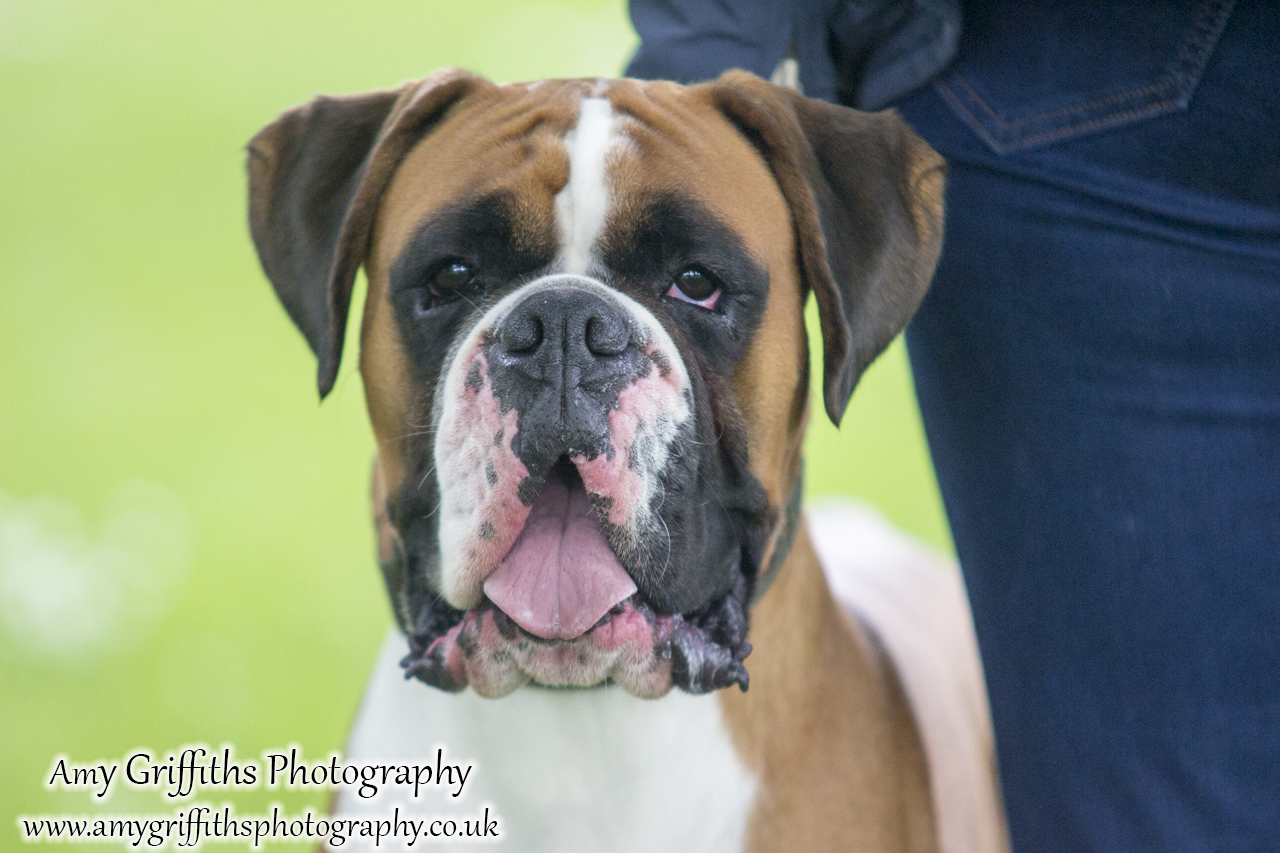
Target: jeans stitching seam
[(1164, 80), (1057, 132), (1152, 108), (1188, 63), (1063, 130)]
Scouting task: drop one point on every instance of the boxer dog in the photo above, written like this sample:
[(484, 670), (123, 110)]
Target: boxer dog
[(586, 367)]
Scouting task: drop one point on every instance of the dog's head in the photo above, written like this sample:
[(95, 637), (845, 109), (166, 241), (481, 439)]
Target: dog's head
[(583, 347)]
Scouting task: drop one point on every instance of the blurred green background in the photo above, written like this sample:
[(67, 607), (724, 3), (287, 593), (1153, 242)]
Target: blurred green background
[(185, 546)]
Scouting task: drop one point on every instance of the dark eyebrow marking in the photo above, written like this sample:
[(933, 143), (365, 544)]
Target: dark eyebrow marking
[(500, 237), (652, 240), (669, 229)]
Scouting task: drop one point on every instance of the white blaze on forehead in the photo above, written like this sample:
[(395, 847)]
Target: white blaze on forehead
[(583, 204)]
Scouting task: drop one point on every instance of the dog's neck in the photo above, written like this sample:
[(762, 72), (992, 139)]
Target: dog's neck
[(563, 769), (818, 680)]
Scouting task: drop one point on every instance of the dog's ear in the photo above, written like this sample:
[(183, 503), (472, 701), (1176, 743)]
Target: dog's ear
[(316, 175), (866, 200)]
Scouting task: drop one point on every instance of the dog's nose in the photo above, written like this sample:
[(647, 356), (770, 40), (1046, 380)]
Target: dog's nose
[(563, 331), (561, 357)]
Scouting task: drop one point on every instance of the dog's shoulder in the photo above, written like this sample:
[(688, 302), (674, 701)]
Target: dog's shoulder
[(912, 600)]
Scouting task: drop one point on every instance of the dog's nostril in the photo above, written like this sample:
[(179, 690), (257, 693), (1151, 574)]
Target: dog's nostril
[(522, 333), (607, 334)]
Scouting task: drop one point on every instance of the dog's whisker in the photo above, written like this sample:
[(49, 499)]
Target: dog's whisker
[(423, 481), (667, 563), (414, 434)]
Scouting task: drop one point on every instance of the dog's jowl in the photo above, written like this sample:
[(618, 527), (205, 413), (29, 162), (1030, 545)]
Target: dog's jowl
[(585, 363)]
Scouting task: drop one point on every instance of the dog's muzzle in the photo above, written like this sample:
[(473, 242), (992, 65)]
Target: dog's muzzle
[(561, 357), (562, 419)]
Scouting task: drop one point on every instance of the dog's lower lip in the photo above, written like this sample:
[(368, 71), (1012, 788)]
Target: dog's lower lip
[(697, 652)]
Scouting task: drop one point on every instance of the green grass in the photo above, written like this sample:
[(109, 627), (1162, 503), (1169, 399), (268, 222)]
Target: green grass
[(233, 595)]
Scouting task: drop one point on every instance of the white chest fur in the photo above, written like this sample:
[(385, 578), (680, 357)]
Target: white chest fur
[(565, 770)]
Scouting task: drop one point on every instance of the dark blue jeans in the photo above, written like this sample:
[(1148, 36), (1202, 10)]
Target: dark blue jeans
[(1098, 366)]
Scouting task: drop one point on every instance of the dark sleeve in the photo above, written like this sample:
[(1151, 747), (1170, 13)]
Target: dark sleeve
[(883, 49), (692, 40)]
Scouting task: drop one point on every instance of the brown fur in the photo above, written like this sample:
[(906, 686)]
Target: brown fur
[(826, 726), (825, 723)]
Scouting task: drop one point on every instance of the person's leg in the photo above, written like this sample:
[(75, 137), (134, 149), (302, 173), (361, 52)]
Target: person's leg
[(1103, 404), (1098, 366)]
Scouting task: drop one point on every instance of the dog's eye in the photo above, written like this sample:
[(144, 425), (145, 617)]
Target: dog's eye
[(697, 287), (443, 286), (451, 276)]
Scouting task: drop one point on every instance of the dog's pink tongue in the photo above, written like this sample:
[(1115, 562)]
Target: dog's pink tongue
[(561, 575)]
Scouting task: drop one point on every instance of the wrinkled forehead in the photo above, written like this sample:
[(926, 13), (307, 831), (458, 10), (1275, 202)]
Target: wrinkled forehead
[(561, 167)]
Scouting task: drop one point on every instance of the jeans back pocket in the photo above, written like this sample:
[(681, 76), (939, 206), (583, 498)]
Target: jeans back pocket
[(1032, 73)]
